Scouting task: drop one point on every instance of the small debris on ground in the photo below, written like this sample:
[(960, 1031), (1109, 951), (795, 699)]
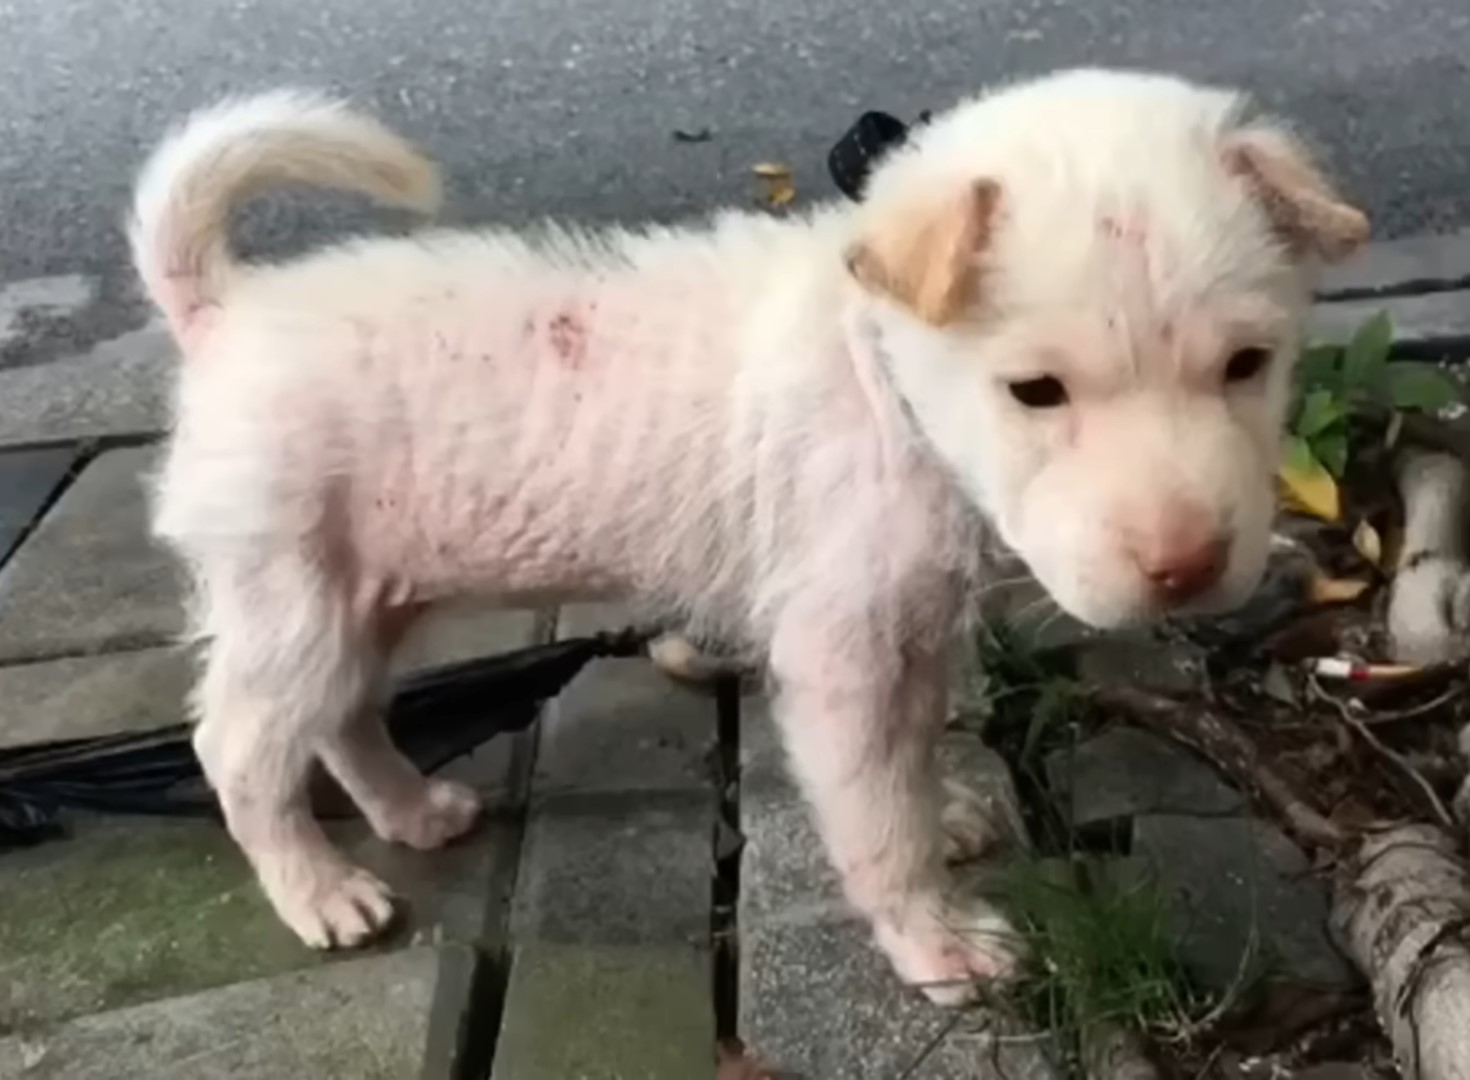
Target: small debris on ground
[(735, 1064), (780, 188)]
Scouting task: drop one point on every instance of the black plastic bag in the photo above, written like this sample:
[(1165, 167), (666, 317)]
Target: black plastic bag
[(435, 716)]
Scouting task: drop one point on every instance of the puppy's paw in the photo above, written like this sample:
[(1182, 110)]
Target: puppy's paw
[(684, 661), (338, 910), (945, 948), (445, 811), (969, 830)]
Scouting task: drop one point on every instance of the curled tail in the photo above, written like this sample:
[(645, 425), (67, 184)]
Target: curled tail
[(179, 229)]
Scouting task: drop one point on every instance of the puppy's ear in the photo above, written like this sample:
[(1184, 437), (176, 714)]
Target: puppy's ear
[(1306, 210), (926, 256)]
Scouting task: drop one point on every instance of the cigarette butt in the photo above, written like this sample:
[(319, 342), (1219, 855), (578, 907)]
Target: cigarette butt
[(1341, 667)]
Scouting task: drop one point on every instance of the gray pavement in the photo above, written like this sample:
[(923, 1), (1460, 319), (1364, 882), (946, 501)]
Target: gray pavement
[(568, 106)]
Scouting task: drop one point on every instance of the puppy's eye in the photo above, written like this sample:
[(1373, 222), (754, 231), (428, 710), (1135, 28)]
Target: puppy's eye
[(1246, 364), (1046, 392)]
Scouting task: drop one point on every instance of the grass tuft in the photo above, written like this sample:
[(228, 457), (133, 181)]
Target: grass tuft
[(1100, 950)]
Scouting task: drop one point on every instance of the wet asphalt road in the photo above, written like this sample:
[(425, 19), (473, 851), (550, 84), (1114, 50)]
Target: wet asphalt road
[(569, 106)]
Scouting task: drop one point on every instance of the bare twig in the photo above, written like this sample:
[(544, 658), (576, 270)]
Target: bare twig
[(1219, 740), (1209, 1062), (1381, 717), (927, 1051), (733, 1063), (1111, 1052), (1192, 1029), (1393, 757), (1421, 428)]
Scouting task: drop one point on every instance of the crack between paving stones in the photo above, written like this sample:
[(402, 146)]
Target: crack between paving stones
[(1427, 286), (86, 452), (725, 889), (123, 643), (470, 998)]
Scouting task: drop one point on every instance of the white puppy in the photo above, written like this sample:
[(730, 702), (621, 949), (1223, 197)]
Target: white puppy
[(1062, 319)]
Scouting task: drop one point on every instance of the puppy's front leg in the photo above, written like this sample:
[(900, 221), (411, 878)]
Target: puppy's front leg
[(860, 730)]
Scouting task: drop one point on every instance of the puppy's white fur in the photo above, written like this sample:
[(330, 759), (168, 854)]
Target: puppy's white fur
[(798, 435)]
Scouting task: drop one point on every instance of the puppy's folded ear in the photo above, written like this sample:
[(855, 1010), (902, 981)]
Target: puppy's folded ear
[(926, 255), (1309, 214)]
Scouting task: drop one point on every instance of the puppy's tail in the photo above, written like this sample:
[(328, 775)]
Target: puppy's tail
[(179, 228)]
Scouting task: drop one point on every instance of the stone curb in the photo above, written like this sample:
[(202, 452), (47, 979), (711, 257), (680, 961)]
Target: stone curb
[(1433, 323), (119, 388), (1430, 262)]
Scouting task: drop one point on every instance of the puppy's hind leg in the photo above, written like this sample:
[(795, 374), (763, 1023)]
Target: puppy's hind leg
[(400, 803), (288, 661)]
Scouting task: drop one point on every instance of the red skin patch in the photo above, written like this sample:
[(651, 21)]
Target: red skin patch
[(568, 337)]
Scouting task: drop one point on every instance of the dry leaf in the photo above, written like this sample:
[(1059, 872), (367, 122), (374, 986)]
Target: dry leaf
[(1393, 544), (1395, 428), (1310, 489), (780, 188), (734, 1064), (781, 192), (1368, 543), (1326, 590)]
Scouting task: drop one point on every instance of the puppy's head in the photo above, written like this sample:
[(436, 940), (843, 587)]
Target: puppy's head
[(1088, 290)]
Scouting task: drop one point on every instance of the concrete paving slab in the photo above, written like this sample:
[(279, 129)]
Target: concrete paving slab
[(89, 578), (1428, 261), (607, 1013), (365, 1019), (84, 696), (1423, 322), (118, 388), (28, 479)]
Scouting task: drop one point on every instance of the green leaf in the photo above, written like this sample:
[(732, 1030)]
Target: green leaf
[(1307, 484), (1366, 355), (1318, 368), (1331, 450), (1299, 456), (1422, 386), (1319, 411)]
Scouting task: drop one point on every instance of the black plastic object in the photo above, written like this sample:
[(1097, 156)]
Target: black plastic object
[(435, 716), (851, 160)]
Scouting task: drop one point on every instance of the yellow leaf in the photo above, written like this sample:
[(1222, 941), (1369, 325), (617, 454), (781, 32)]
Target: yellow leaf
[(1327, 590), (1310, 490), (1368, 543)]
